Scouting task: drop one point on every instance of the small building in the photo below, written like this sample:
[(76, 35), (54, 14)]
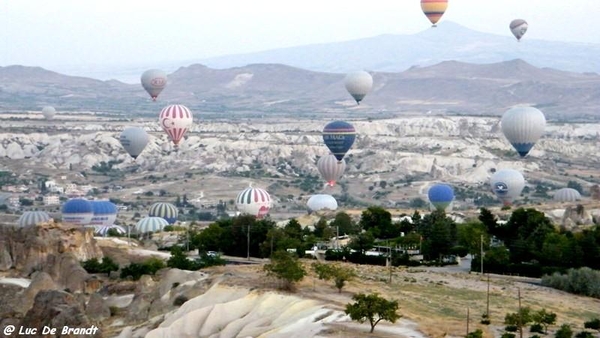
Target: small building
[(51, 200)]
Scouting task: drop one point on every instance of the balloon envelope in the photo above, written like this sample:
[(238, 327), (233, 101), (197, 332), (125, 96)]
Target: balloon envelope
[(167, 211), (339, 137), (567, 195), (253, 201), (358, 84), (77, 211), (321, 202), (48, 112), (441, 196), (523, 127), (105, 213), (175, 121), (331, 169), (134, 140), (154, 81), (507, 184), (518, 27), (32, 218), (434, 9)]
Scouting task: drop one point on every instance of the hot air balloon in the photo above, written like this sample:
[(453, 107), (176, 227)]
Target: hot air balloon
[(167, 211), (77, 211), (253, 201), (105, 213), (339, 137), (523, 126), (134, 140), (358, 84), (518, 27), (331, 169), (507, 184), (33, 218), (434, 9), (154, 81), (567, 195), (321, 202), (102, 230), (441, 196), (48, 112), (175, 121), (150, 224)]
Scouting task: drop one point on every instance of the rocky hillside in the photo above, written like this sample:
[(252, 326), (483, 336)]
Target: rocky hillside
[(278, 90)]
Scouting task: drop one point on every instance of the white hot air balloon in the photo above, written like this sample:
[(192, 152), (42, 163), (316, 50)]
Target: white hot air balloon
[(175, 120), (134, 140), (523, 127), (567, 195), (331, 169), (507, 184), (48, 112), (518, 27), (254, 201), (321, 202), (154, 81), (358, 84)]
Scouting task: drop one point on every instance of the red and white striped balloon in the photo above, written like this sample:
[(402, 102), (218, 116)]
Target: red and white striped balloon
[(175, 120), (254, 201), (331, 169)]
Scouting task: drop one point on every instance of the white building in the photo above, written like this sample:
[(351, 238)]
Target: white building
[(51, 200)]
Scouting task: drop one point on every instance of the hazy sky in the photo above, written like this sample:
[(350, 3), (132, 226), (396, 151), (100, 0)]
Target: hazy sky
[(129, 32)]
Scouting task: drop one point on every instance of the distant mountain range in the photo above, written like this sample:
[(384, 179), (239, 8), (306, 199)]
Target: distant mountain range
[(447, 42), (449, 87)]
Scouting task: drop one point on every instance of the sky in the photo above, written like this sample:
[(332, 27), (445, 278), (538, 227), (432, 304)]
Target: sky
[(74, 33)]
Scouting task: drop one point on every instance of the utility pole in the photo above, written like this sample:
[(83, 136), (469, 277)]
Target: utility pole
[(481, 254), (520, 315), (248, 244), (468, 319), (337, 237), (272, 234), (390, 258), (487, 311)]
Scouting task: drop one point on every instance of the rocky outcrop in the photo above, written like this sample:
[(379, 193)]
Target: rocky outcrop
[(576, 216), (41, 248), (39, 281), (58, 309), (96, 308)]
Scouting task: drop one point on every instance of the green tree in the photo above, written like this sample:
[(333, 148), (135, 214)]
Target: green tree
[(439, 234), (209, 239), (286, 268), (179, 260), (469, 236), (544, 318), (378, 221), (362, 242), (343, 222), (491, 223), (372, 308), (564, 331), (338, 273), (518, 319)]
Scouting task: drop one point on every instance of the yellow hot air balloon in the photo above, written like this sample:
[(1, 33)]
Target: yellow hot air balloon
[(434, 9)]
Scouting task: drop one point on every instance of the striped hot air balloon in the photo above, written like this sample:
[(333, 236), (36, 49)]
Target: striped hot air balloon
[(102, 230), (77, 211), (175, 120), (331, 169), (523, 127), (507, 184), (33, 218), (150, 224), (254, 201), (321, 202), (434, 9), (441, 196), (339, 137), (567, 195), (164, 210)]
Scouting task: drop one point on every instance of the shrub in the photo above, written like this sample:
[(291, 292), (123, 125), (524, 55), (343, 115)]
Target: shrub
[(537, 328), (511, 328), (148, 267), (593, 324), (508, 335), (564, 331), (584, 334), (584, 281), (475, 334), (94, 266), (179, 300)]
